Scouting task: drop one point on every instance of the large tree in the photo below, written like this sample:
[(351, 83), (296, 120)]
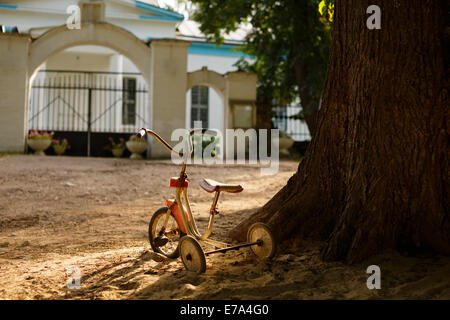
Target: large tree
[(376, 173), (289, 42)]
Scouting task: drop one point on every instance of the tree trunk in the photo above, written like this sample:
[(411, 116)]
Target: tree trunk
[(264, 113), (375, 174), (310, 109)]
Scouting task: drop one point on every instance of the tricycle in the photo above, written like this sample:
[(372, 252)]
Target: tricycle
[(173, 230)]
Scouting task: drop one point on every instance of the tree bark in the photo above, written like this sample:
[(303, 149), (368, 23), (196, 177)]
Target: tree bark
[(264, 113), (309, 110), (376, 173)]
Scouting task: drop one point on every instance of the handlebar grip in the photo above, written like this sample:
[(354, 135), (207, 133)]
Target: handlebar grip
[(141, 133)]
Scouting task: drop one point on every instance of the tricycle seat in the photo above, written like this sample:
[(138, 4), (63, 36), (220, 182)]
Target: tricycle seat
[(213, 186)]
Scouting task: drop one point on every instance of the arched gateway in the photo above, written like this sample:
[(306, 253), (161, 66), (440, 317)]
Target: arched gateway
[(162, 62)]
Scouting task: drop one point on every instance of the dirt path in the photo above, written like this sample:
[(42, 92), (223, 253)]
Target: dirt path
[(59, 212)]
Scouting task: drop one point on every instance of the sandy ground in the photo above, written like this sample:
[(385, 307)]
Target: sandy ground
[(59, 212)]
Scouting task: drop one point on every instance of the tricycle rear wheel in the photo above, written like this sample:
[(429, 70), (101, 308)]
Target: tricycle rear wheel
[(192, 255), (261, 232)]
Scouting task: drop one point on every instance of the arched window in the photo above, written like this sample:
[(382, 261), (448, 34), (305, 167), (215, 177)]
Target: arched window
[(199, 105)]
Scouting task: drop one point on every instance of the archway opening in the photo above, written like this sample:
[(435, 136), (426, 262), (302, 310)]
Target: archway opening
[(89, 94), (205, 107)]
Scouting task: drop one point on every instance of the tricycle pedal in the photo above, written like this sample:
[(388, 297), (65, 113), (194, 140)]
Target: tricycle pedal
[(161, 241)]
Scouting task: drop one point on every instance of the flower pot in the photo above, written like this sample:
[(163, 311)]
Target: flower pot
[(136, 148), (118, 152), (59, 149), (285, 144), (39, 145)]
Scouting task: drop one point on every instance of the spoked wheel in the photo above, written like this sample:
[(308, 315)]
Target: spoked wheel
[(164, 240), (261, 232), (192, 255)]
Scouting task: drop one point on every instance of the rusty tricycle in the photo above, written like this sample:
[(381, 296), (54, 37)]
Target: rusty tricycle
[(173, 231)]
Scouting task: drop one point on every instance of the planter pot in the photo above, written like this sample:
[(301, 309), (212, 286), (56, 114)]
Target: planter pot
[(39, 145), (285, 144), (136, 148), (117, 152), (59, 149)]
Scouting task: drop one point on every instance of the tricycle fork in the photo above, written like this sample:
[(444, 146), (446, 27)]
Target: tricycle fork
[(161, 239)]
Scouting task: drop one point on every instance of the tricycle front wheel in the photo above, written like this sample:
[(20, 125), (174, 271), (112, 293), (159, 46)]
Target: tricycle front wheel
[(260, 232), (164, 241)]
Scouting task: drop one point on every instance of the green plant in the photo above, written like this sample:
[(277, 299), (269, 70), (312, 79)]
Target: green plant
[(206, 141), (283, 134), (115, 145), (43, 135), (60, 143)]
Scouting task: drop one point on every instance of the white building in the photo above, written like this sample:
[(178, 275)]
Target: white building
[(89, 86)]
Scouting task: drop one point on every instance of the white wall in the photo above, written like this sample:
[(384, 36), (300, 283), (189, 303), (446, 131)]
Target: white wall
[(13, 91), (80, 61), (117, 63), (30, 20), (218, 64), (91, 58), (128, 66), (145, 29), (46, 13)]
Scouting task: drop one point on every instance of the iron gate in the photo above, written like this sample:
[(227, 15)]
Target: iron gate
[(284, 118), (88, 102)]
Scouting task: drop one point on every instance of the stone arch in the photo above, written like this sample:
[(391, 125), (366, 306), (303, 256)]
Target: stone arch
[(103, 34), (205, 77), (219, 83)]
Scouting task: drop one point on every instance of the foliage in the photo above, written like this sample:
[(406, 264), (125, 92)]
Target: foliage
[(206, 141), (60, 143), (115, 145), (283, 134), (42, 135), (326, 10), (285, 35)]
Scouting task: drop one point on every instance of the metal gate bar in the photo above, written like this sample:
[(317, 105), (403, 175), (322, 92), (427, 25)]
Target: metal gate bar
[(285, 119), (86, 101)]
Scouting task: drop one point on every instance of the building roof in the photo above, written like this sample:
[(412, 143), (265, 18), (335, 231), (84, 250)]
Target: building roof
[(190, 30), (153, 8), (146, 10), (150, 11)]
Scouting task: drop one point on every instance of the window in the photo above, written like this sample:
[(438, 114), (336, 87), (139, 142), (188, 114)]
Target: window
[(199, 105), (244, 115), (129, 101)]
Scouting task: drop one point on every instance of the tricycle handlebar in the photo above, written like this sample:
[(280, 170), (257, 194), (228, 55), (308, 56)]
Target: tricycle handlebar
[(144, 131), (203, 131), (141, 133)]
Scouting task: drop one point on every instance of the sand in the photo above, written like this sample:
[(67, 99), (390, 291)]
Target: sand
[(93, 213)]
